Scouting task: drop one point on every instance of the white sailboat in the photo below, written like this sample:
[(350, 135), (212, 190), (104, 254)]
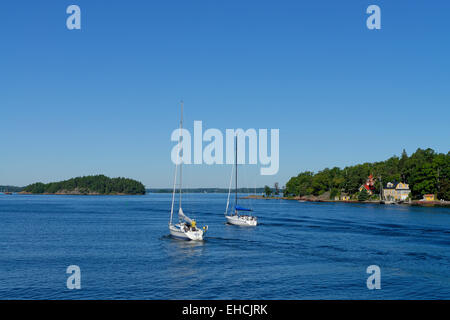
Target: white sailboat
[(236, 218), (186, 228)]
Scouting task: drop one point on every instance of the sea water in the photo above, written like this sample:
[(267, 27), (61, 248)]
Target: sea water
[(298, 250)]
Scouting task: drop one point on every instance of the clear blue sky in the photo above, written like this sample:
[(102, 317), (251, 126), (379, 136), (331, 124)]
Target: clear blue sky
[(105, 99)]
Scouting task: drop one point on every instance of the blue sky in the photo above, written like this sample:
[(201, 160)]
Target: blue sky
[(105, 99)]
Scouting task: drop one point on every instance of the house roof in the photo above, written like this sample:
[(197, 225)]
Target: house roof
[(394, 185)]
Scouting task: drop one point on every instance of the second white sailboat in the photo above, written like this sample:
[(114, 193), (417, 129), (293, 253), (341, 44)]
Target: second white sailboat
[(235, 218)]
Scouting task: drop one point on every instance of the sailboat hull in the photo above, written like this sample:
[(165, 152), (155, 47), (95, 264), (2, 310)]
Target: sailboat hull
[(245, 221), (177, 231)]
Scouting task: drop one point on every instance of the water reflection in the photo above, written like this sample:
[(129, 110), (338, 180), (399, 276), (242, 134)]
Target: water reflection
[(184, 261)]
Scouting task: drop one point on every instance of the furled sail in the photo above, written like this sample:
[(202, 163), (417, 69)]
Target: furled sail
[(238, 208), (182, 216)]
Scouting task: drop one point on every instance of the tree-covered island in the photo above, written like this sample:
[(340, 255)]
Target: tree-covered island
[(88, 185), (426, 172)]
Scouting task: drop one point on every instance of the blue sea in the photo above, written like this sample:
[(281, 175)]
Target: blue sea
[(298, 250)]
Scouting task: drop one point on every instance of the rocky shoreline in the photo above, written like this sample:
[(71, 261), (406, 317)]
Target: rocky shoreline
[(76, 193), (312, 198)]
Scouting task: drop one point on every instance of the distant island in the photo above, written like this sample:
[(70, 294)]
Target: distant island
[(209, 190), (88, 185), (8, 189)]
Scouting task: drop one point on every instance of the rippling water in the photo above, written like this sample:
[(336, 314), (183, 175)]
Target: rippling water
[(299, 250)]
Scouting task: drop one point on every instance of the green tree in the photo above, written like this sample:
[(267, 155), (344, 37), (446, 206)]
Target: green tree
[(334, 193), (423, 180), (363, 195), (276, 189), (267, 191)]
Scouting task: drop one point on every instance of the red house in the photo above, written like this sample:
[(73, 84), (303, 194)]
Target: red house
[(369, 185)]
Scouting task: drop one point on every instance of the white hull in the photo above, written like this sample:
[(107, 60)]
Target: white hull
[(246, 221), (178, 232)]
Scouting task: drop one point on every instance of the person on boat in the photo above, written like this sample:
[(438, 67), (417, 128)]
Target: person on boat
[(190, 226)]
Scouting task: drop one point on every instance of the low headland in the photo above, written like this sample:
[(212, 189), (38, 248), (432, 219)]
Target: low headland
[(88, 185), (325, 198), (423, 178)]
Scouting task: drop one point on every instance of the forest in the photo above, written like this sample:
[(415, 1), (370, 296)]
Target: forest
[(426, 172), (98, 184)]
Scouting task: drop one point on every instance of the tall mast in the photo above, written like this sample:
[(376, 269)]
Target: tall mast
[(381, 189), (176, 169), (173, 193), (181, 162), (229, 189), (235, 161)]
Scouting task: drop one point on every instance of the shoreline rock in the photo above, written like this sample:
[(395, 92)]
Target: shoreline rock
[(312, 198), (76, 193)]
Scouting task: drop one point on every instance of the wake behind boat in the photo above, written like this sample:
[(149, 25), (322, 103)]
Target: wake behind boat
[(236, 218), (186, 228)]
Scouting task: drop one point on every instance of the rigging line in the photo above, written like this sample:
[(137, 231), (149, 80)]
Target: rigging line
[(229, 189), (247, 176), (181, 162), (235, 161), (176, 169), (173, 193)]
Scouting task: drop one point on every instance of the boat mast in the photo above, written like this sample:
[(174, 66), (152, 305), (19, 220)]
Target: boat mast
[(176, 169), (181, 162), (229, 189), (381, 189), (173, 193), (235, 161)]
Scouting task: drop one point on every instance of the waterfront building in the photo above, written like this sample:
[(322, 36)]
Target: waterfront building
[(428, 197), (396, 191), (368, 185)]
